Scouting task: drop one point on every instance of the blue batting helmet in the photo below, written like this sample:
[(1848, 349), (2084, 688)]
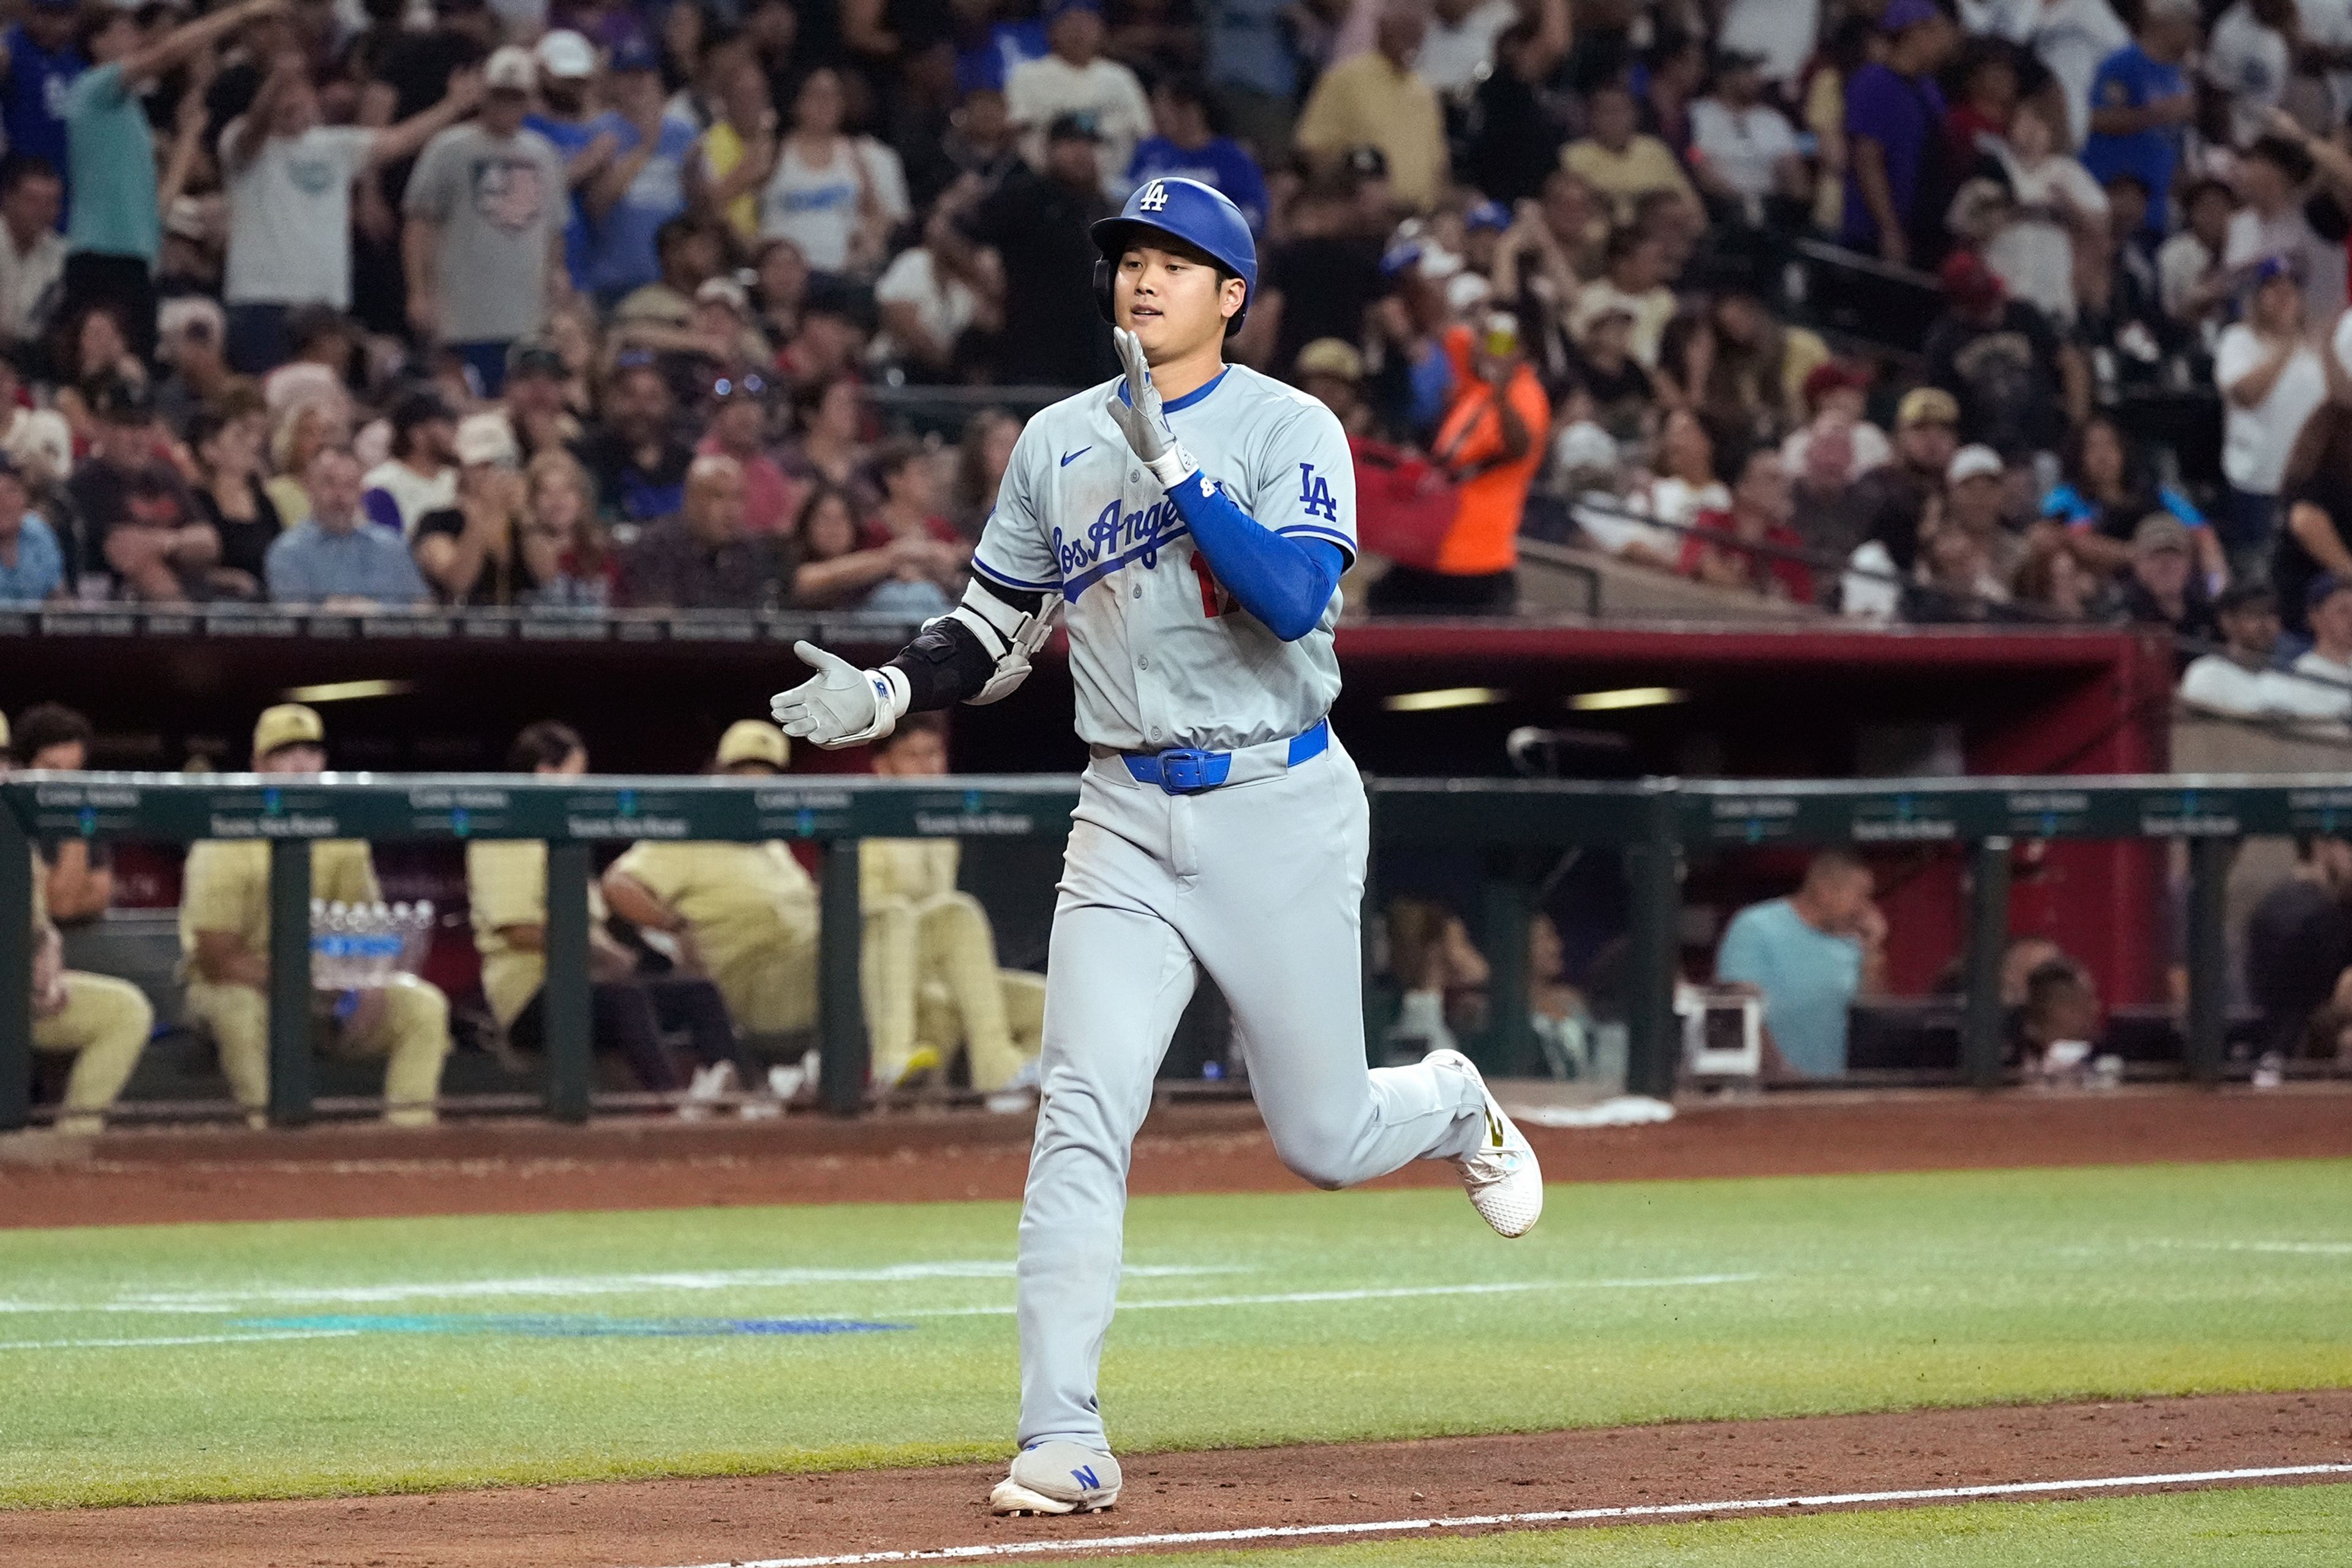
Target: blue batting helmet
[(1200, 216)]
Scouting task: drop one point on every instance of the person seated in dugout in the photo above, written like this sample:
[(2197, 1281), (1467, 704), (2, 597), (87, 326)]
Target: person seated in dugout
[(101, 1022), (224, 937), (743, 915), (928, 960), (506, 889)]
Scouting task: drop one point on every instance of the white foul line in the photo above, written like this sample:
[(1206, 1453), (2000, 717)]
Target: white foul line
[(176, 1339), (1555, 1516), (1390, 1293)]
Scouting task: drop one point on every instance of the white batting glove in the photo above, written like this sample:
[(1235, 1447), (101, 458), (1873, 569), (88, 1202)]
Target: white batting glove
[(1140, 419), (841, 705)]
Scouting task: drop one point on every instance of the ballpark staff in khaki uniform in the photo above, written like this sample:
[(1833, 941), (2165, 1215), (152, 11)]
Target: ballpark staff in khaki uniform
[(928, 959), (102, 1021), (746, 912), (506, 889), (225, 934)]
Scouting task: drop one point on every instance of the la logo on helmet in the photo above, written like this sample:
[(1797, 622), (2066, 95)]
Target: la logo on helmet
[(1154, 200)]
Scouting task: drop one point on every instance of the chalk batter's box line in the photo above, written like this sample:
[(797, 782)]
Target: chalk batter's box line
[(1522, 1520)]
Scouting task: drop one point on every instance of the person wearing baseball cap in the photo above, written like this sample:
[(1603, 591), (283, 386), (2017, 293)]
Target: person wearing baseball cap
[(2014, 404), (1895, 185), (485, 211), (482, 551), (2240, 682), (1885, 507), (1331, 372), (567, 70), (1743, 150), (2162, 587), (1041, 229), (225, 934), (642, 185), (743, 914)]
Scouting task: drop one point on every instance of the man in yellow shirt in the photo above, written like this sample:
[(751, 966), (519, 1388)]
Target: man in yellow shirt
[(743, 914), (103, 1023), (225, 936), (1374, 100), (1620, 164), (928, 959), (506, 893)]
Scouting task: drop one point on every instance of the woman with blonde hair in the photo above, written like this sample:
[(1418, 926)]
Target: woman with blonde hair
[(560, 512), (304, 429)]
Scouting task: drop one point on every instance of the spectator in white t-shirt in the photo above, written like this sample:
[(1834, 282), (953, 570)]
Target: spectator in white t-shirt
[(1460, 43), (1742, 149), (2327, 605), (2195, 287), (289, 202), (2054, 205), (2271, 378), (1076, 80), (936, 291), (834, 196), (2248, 59), (32, 251), (2239, 682)]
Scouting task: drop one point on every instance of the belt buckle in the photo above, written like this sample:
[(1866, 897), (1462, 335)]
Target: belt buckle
[(1183, 771)]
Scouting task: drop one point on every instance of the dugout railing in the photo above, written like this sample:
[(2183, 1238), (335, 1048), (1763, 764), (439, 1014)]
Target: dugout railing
[(1514, 826)]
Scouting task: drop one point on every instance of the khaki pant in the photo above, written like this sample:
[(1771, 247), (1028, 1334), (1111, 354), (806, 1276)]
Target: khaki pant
[(939, 950), (411, 1032), (105, 1023), (939, 1026)]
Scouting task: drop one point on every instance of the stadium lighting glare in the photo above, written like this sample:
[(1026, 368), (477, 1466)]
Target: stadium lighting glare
[(1630, 697), (1446, 697), (349, 690)]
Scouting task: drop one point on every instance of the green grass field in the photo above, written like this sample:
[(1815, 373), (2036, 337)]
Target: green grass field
[(2299, 1527), (294, 1359)]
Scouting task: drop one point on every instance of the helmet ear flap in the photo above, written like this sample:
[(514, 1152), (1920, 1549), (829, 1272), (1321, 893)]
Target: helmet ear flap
[(1103, 303)]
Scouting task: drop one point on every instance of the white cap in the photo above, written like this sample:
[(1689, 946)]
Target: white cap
[(485, 439), (1974, 462), (564, 53), (510, 70), (723, 292)]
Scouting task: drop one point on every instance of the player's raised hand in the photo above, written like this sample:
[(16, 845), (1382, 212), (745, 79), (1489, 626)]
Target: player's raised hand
[(840, 705), (1139, 416)]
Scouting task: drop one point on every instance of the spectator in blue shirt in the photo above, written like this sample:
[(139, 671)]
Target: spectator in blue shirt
[(644, 186), (40, 58), (32, 567), (2140, 101), (1809, 955), (567, 67), (334, 559), (1182, 143), (1253, 69), (1897, 185)]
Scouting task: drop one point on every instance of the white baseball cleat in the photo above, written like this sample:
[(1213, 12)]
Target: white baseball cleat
[(1504, 1183), (1057, 1477)]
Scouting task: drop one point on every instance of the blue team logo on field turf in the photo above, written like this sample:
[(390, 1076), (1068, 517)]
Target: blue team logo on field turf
[(571, 1325)]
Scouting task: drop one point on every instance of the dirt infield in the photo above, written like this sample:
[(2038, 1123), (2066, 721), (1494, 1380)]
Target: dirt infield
[(353, 1170), (654, 1524)]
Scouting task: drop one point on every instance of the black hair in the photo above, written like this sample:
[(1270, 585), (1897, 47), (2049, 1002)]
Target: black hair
[(2287, 157), (47, 724), (894, 454), (2051, 979), (542, 745), (2245, 595), (678, 230), (18, 167)]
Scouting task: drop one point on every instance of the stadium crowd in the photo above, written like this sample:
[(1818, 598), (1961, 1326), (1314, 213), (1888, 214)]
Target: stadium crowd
[(354, 303)]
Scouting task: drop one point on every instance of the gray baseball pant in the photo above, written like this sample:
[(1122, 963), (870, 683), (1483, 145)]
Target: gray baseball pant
[(1261, 885)]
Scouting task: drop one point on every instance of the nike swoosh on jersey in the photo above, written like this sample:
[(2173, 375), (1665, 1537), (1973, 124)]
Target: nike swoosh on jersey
[(1069, 458)]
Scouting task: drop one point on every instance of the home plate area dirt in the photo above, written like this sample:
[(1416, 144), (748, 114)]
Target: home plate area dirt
[(659, 1525)]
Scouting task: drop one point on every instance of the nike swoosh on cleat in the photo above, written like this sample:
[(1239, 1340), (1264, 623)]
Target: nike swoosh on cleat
[(1069, 458)]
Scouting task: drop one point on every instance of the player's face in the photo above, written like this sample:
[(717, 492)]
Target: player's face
[(1173, 301)]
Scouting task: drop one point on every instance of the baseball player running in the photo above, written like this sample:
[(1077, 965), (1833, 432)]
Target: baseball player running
[(1191, 519)]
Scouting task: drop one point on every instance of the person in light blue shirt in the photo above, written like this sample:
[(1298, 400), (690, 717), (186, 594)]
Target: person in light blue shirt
[(644, 186), (32, 567), (336, 558), (1809, 955), (1182, 143)]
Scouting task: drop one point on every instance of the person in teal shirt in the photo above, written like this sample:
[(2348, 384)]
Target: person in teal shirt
[(1809, 955), (114, 225)]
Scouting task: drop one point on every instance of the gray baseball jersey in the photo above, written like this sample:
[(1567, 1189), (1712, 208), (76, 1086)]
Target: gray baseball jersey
[(1161, 656), (1258, 884)]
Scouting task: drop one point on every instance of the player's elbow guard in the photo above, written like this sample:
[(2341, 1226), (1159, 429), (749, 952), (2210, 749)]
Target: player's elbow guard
[(977, 653)]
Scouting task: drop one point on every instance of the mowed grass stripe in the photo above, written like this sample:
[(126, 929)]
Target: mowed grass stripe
[(1871, 1293)]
